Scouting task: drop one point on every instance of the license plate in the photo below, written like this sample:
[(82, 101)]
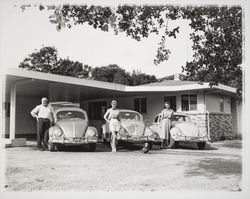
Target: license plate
[(77, 140), (193, 138)]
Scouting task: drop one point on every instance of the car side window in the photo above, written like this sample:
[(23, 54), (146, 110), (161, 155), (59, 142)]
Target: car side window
[(156, 119), (159, 120)]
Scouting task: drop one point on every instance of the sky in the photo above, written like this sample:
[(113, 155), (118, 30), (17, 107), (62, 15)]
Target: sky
[(23, 32)]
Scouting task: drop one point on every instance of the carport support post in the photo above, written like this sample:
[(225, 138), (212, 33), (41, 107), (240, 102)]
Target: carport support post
[(12, 110)]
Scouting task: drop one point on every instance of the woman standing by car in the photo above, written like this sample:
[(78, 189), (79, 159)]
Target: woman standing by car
[(166, 115), (112, 116)]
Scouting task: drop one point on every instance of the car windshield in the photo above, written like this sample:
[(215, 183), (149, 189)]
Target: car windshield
[(180, 118), (70, 115), (130, 116)]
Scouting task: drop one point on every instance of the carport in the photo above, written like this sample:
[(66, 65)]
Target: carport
[(30, 87)]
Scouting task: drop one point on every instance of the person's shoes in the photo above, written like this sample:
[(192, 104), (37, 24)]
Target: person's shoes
[(41, 149), (113, 150), (145, 150)]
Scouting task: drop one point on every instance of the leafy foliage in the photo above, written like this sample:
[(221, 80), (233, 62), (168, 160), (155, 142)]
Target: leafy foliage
[(217, 33), (138, 78), (46, 60)]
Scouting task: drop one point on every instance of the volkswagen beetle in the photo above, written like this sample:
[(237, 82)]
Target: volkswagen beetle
[(182, 130), (132, 129), (71, 127)]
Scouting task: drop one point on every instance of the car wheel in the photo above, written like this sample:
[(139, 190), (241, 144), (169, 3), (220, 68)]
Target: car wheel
[(51, 146), (92, 147), (176, 143), (150, 145), (201, 145), (171, 142)]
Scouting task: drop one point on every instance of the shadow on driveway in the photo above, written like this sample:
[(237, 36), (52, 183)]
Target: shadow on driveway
[(212, 167)]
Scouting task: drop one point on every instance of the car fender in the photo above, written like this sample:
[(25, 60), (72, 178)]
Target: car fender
[(91, 128), (175, 132)]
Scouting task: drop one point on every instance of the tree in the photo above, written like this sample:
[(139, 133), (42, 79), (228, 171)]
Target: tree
[(217, 33), (46, 60), (218, 50), (138, 78), (111, 73), (71, 68)]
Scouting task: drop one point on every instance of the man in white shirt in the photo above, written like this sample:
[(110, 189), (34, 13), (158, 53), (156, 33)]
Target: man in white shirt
[(44, 116)]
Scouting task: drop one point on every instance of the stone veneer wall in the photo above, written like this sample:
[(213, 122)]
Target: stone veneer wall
[(220, 126)]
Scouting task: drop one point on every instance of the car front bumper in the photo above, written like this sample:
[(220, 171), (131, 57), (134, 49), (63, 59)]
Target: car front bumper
[(74, 141), (143, 139), (191, 139)]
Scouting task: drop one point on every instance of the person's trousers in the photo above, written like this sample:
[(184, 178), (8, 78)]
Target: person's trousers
[(43, 125), (114, 141)]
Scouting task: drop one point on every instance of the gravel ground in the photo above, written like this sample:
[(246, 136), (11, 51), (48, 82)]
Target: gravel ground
[(217, 168)]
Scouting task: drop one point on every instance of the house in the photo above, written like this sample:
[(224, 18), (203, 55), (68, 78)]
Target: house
[(212, 108)]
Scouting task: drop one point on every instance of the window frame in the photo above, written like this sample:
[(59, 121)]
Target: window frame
[(189, 101)]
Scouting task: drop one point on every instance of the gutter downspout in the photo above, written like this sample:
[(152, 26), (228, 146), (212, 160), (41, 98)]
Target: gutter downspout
[(207, 112)]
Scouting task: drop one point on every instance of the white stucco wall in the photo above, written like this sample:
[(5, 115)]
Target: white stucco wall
[(213, 103)]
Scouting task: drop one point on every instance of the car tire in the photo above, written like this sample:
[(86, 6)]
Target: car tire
[(176, 143), (92, 147), (201, 145), (171, 143), (150, 145), (51, 146)]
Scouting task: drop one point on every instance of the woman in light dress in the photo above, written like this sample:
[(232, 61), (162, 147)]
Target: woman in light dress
[(112, 116), (166, 115)]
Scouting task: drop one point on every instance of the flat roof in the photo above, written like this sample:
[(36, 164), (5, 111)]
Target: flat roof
[(19, 74)]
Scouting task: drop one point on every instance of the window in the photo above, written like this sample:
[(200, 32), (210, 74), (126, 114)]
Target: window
[(172, 100), (96, 110), (221, 104), (189, 102), (140, 105), (193, 102)]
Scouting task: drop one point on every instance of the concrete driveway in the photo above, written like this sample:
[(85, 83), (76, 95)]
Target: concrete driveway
[(217, 168)]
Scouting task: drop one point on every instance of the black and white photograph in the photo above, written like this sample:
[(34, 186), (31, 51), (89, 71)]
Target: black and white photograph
[(124, 99)]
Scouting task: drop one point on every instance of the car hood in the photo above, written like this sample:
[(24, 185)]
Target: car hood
[(134, 128), (187, 128), (73, 127)]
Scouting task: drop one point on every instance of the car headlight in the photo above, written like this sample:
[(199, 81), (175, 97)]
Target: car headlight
[(57, 132), (91, 132), (176, 132), (150, 133), (123, 131)]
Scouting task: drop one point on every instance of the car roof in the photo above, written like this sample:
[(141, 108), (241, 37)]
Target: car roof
[(127, 110), (177, 113), (68, 108)]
